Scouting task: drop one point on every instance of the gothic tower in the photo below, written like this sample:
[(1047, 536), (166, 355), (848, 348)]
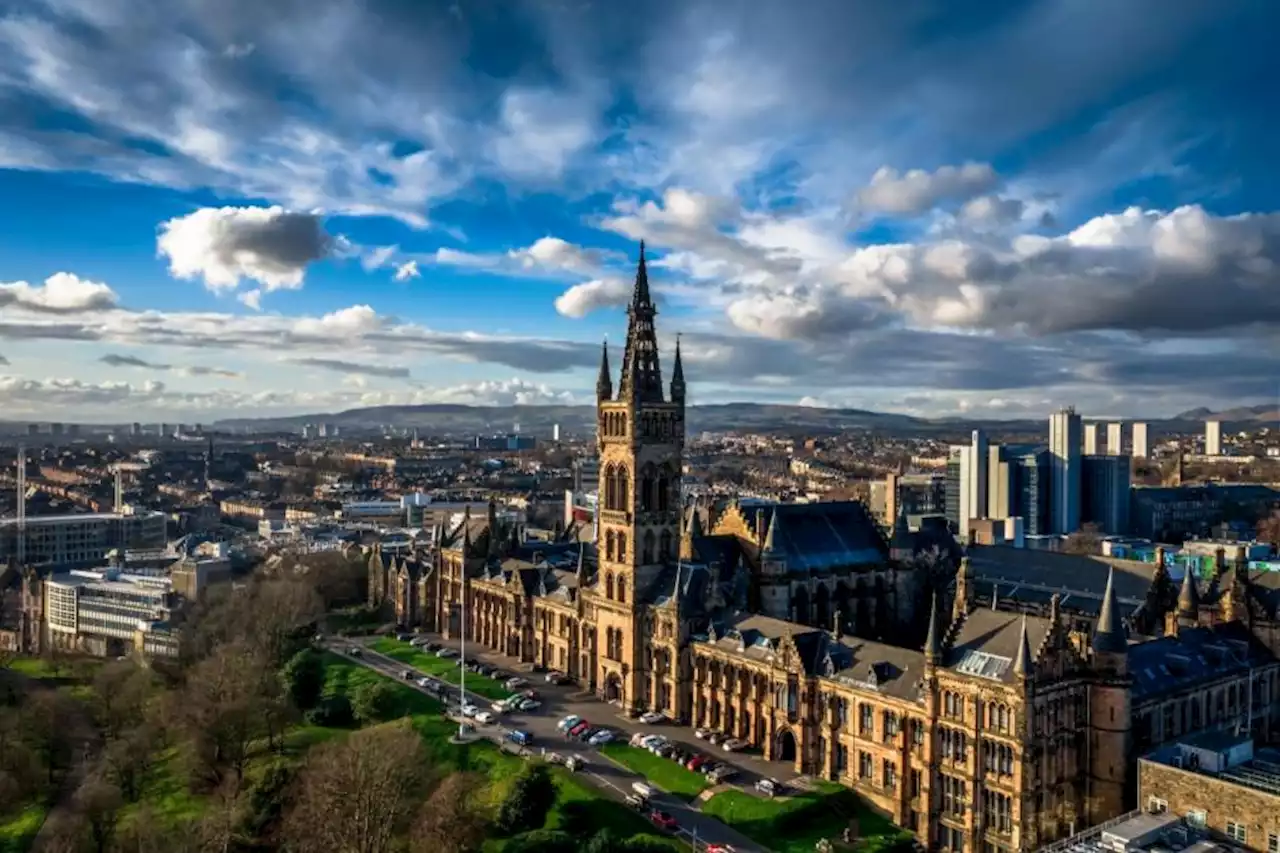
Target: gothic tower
[(640, 433)]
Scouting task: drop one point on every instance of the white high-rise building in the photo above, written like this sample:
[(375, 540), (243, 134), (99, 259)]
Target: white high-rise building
[(1115, 439), (1213, 438), (1090, 439), (974, 468), (1139, 438), (1064, 471)]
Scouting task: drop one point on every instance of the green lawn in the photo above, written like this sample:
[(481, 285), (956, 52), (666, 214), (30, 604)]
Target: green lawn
[(443, 668), (18, 830), (663, 772), (795, 824)]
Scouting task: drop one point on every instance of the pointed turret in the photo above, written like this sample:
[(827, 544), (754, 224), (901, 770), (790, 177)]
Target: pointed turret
[(1188, 596), (933, 640), (901, 544), (1108, 634), (695, 521), (604, 382), (772, 541), (641, 375), (1022, 663), (495, 549), (582, 565), (677, 377)]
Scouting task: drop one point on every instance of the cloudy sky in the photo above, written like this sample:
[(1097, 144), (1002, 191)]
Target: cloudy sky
[(225, 207)]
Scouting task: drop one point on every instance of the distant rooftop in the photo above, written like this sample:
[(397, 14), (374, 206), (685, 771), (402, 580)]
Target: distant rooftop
[(1225, 756), (1139, 831), (80, 516)]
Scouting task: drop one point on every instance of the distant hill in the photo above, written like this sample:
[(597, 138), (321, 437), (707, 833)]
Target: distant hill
[(1265, 413), (538, 420)]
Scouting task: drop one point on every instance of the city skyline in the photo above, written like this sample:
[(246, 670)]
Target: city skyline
[(842, 207)]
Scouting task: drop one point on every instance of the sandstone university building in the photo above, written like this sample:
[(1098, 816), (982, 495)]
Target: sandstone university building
[(979, 721)]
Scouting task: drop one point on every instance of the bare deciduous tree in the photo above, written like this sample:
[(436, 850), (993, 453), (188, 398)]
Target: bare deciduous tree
[(222, 712), (359, 794), (450, 821)]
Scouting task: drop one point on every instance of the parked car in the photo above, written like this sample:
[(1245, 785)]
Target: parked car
[(663, 820), (446, 653), (734, 745), (404, 638), (714, 738), (499, 675), (515, 683), (651, 742), (530, 694), (769, 787), (407, 675), (354, 651), (519, 737), (643, 789), (423, 682), (469, 710), (719, 848), (573, 763), (601, 737), (528, 705), (568, 722), (701, 734), (418, 641), (637, 739), (551, 676), (652, 718), (578, 728), (637, 802), (696, 762), (485, 717), (431, 646)]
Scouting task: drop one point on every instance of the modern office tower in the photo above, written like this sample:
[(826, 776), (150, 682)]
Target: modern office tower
[(974, 465), (953, 486), (1105, 493), (135, 429), (1213, 438), (1090, 439), (55, 429), (1033, 473), (1001, 483), (555, 432), (1115, 439), (1139, 439), (1064, 450)]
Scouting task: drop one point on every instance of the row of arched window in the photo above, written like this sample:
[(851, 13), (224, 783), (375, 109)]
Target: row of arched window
[(653, 549), (655, 489), (613, 643), (616, 591), (613, 424)]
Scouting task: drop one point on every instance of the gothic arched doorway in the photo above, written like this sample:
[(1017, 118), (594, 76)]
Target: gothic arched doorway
[(786, 746), (613, 688)]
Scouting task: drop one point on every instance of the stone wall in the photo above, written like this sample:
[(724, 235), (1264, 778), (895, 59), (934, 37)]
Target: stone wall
[(1185, 791)]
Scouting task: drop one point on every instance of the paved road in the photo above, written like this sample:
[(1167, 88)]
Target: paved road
[(611, 779)]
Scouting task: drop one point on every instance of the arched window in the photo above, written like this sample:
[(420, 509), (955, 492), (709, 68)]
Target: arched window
[(609, 545), (622, 589), (610, 487), (647, 552), (664, 492), (664, 546), (608, 586), (623, 490), (622, 547)]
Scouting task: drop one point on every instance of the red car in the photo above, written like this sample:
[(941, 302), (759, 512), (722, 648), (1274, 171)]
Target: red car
[(696, 762), (579, 728), (662, 820)]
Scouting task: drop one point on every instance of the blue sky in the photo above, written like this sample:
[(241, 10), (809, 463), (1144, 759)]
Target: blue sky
[(225, 208)]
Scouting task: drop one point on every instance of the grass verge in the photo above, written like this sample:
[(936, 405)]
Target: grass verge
[(445, 669), (663, 772), (18, 830), (795, 824)]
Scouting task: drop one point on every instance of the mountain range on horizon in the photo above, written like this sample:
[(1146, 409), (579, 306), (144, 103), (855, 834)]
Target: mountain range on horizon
[(539, 419)]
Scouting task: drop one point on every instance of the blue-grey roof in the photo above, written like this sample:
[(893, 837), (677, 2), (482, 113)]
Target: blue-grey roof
[(821, 537), (1169, 665)]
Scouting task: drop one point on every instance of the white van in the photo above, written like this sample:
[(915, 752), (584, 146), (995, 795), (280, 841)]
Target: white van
[(642, 790)]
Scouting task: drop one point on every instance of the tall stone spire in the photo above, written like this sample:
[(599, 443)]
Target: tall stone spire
[(1022, 663), (1108, 634), (604, 383), (1188, 596), (933, 640), (641, 374), (677, 377)]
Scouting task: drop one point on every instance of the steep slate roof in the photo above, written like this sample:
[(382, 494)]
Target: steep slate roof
[(891, 670), (1024, 574), (820, 537), (988, 642), (1170, 664)]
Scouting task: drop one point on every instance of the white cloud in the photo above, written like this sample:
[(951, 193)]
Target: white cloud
[(918, 191), (61, 293), (581, 299), (407, 270), (352, 322), (227, 245), (548, 256), (540, 131)]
